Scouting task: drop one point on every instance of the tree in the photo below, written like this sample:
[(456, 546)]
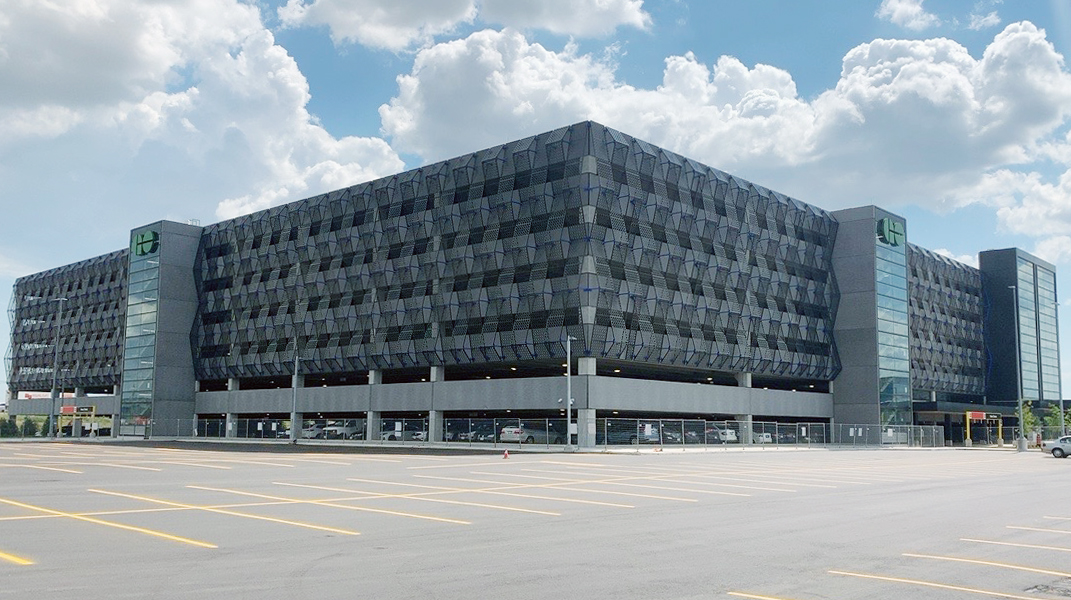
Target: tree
[(1031, 422), (29, 427), (1052, 416), (8, 428)]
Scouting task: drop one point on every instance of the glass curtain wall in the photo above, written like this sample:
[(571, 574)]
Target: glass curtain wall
[(893, 365), (1048, 337), (1028, 331), (139, 355)]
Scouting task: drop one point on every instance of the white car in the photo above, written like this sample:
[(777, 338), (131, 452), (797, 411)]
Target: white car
[(530, 435), (405, 436), (344, 430), (1059, 448)]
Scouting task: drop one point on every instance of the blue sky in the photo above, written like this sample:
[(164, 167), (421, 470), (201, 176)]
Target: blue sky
[(117, 113)]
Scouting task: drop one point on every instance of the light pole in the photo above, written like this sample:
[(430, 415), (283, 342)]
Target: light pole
[(55, 369), (1021, 442), (568, 389), (293, 404)]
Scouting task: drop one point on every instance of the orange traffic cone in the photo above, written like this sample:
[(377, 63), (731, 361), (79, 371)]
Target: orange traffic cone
[(505, 454)]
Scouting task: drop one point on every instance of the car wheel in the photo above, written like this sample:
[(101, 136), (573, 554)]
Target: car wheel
[(632, 440), (557, 440), (529, 440), (1059, 453), (392, 438)]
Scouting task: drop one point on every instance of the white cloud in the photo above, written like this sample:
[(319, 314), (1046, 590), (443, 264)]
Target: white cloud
[(1055, 249), (116, 108), (967, 259), (909, 122), (399, 25), (390, 24), (984, 21), (570, 17), (908, 14)]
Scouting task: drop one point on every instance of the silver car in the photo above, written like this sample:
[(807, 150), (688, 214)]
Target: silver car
[(1059, 448)]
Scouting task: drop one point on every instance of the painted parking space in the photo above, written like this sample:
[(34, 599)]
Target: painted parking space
[(626, 514)]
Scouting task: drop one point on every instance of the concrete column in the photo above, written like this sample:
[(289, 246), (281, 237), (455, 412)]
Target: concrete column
[(745, 424), (743, 380), (437, 374), (232, 384), (375, 377), (232, 425), (79, 392), (585, 427), (435, 422), (585, 365), (115, 425), (372, 426)]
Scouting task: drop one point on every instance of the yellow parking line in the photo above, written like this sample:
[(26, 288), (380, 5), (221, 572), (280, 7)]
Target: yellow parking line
[(18, 560), (932, 584), (335, 505), (422, 497), (226, 512), (1038, 529), (754, 596), (617, 481), (674, 477), (1015, 545), (495, 491), (59, 513), (190, 464), (990, 563), (458, 466), (560, 486), (43, 468)]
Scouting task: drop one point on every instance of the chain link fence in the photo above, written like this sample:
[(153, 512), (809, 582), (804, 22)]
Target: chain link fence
[(520, 432)]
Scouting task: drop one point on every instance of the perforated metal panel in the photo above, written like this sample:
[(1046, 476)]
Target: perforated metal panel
[(90, 332), (946, 324), (639, 253)]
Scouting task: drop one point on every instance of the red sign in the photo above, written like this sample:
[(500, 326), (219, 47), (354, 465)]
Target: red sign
[(67, 410), (976, 415)]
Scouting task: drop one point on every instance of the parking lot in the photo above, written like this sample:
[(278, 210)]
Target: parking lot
[(111, 520)]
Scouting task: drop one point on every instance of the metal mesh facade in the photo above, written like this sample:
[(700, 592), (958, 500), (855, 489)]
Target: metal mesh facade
[(90, 332), (946, 324), (496, 256)]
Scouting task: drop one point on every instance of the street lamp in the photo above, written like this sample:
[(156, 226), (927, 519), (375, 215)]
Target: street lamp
[(55, 369), (568, 389), (1021, 442)]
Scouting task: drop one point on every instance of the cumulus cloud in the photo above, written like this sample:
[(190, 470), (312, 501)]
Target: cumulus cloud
[(978, 21), (397, 26), (1056, 249), (909, 121), (391, 25), (908, 14), (967, 259), (570, 17), (184, 102)]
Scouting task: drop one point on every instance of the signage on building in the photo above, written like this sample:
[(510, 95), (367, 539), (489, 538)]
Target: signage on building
[(891, 232), (145, 243)]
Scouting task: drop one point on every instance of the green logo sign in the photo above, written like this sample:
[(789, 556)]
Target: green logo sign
[(891, 232), (145, 243)]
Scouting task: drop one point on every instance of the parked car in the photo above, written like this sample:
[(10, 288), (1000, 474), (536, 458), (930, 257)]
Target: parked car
[(530, 434), (311, 431), (1059, 448), (721, 435), (620, 433), (404, 435), (762, 437), (347, 430)]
